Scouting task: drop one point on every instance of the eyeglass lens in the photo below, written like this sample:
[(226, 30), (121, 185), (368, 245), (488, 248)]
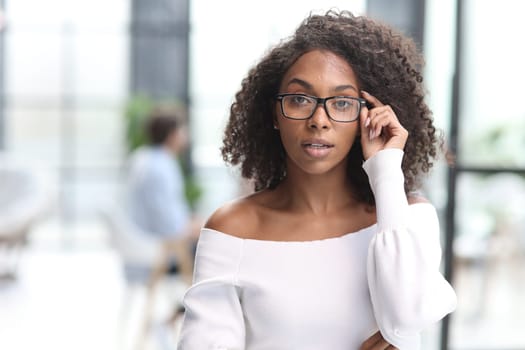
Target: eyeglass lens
[(338, 108)]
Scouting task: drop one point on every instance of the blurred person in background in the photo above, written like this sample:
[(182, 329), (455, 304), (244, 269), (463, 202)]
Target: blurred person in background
[(155, 192), (336, 249)]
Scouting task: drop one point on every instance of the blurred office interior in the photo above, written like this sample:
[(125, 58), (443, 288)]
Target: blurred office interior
[(70, 69)]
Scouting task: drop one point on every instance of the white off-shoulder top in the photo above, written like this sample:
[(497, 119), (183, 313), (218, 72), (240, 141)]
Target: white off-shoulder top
[(325, 294)]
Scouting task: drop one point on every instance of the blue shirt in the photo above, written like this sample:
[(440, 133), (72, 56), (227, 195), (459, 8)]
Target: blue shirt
[(155, 192)]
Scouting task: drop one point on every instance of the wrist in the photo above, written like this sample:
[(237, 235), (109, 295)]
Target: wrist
[(386, 180)]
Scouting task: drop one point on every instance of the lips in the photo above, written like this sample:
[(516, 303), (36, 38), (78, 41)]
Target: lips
[(317, 148), (318, 143)]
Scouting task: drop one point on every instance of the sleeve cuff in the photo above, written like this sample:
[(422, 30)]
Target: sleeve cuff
[(386, 180)]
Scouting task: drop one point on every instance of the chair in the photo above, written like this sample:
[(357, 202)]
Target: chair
[(26, 196), (138, 250), (143, 259)]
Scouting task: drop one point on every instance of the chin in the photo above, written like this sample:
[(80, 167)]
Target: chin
[(322, 169), (316, 167)]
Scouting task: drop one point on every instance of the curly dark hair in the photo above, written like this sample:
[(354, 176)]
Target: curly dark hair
[(388, 65)]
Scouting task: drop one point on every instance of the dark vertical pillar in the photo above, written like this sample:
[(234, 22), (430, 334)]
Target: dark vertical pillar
[(159, 49), (450, 228), (405, 15), (159, 64)]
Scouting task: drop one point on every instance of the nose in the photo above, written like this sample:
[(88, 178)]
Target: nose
[(319, 119)]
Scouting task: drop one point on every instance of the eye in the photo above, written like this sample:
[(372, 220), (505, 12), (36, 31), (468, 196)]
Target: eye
[(342, 104), (299, 100)]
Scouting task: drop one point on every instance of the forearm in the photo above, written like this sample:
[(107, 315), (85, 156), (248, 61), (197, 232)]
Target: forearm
[(407, 290), (387, 183)]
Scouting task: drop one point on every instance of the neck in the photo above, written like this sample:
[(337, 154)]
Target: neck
[(317, 194), (168, 148)]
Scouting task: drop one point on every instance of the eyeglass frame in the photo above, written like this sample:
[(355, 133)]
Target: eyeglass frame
[(321, 100)]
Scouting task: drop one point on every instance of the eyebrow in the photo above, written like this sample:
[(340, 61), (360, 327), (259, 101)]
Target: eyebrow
[(309, 86), (344, 87)]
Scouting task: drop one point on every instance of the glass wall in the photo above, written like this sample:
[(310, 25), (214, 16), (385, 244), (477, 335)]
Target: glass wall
[(66, 78), (489, 249), (492, 125), (489, 262)]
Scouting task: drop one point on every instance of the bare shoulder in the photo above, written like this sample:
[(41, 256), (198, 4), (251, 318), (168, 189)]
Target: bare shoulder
[(415, 198), (237, 218)]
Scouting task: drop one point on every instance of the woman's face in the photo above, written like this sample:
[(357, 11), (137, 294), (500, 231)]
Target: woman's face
[(318, 145)]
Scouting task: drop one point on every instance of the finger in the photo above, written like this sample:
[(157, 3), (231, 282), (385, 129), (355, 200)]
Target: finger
[(377, 112), (371, 99), (367, 118), (377, 342), (371, 341), (386, 118), (364, 120), (378, 122), (382, 110), (381, 345)]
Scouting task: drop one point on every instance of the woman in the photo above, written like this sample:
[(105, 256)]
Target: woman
[(334, 250)]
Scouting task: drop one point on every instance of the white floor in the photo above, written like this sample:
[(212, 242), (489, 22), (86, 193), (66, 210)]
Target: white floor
[(78, 299), (62, 301)]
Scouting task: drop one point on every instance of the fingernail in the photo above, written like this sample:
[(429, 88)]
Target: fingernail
[(371, 134), (364, 92), (367, 122)]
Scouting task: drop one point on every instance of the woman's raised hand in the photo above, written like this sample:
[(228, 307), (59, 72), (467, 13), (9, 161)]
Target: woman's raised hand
[(380, 128)]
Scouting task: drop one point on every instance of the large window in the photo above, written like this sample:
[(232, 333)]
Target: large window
[(487, 185), (489, 247), (65, 83)]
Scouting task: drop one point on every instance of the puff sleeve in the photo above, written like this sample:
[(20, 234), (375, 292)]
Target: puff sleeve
[(407, 290), (213, 318)]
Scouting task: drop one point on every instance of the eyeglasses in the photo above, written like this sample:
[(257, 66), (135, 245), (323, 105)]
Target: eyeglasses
[(343, 109)]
